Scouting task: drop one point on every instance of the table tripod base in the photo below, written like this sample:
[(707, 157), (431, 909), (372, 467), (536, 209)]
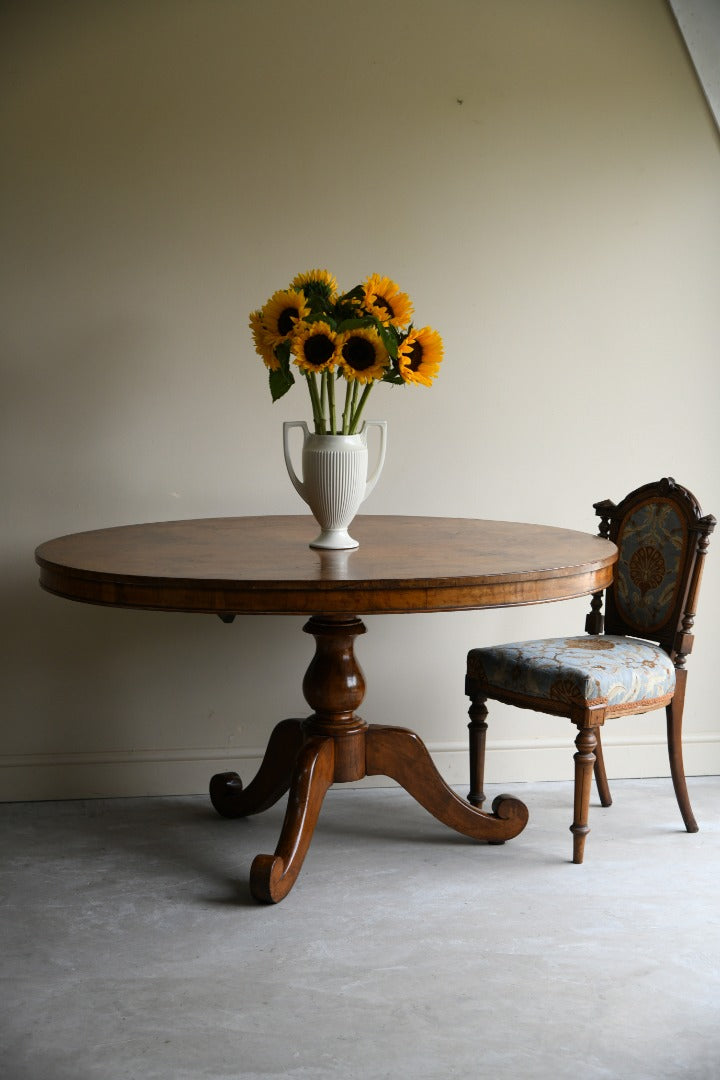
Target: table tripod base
[(395, 752), (334, 746)]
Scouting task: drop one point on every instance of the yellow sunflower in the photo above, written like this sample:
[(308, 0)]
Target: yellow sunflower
[(385, 301), (282, 311), (315, 347), (362, 355), (420, 356), (320, 282), (263, 346)]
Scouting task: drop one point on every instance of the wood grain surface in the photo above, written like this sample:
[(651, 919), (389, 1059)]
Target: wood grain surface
[(263, 565)]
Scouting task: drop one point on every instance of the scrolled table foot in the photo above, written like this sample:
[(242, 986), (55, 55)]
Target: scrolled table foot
[(401, 754), (266, 879), (508, 808), (226, 794), (273, 876), (271, 781)]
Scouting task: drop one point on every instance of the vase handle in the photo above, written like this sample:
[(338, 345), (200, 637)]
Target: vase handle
[(287, 425), (372, 480)]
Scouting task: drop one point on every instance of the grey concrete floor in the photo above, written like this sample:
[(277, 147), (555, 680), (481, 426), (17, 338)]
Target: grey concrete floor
[(131, 947)]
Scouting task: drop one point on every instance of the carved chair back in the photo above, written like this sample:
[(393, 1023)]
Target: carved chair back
[(662, 538)]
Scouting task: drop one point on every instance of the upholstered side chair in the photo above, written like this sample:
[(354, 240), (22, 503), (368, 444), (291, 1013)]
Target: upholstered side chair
[(632, 658)]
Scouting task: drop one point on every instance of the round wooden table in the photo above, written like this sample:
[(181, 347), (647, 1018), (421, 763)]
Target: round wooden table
[(263, 565)]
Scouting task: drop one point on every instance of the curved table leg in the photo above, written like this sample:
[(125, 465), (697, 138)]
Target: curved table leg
[(271, 781), (401, 754), (273, 876)]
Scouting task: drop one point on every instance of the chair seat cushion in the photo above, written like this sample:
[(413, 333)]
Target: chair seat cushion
[(588, 670)]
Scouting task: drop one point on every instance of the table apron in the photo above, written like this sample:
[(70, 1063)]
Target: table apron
[(396, 599)]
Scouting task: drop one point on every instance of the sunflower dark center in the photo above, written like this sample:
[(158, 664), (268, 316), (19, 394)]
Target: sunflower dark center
[(359, 353), (381, 302), (286, 320), (415, 356), (318, 350)]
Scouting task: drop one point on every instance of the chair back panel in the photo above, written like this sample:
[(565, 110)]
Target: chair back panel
[(653, 541), (661, 537)]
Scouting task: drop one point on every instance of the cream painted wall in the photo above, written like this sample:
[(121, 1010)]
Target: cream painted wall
[(543, 179)]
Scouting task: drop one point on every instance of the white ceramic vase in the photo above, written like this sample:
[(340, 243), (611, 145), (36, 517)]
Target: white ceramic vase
[(334, 478)]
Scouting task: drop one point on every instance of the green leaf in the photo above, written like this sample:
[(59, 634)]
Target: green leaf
[(322, 317), (389, 339), (355, 294), (357, 323), (282, 353), (394, 377), (282, 379), (280, 383), (318, 304)]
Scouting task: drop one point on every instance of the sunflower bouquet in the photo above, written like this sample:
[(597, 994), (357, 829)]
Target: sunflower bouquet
[(363, 336)]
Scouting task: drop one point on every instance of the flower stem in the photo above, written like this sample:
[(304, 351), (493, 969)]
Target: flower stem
[(353, 403), (315, 401), (347, 409), (331, 399), (324, 399), (357, 413)]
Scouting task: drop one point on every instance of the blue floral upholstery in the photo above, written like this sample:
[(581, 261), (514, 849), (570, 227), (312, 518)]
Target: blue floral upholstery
[(653, 538), (589, 670)]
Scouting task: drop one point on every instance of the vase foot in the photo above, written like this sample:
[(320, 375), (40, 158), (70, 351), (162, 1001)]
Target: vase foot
[(334, 540)]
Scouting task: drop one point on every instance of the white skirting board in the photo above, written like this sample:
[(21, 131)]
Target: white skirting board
[(34, 777)]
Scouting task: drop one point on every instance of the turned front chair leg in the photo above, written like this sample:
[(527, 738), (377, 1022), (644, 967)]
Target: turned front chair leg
[(478, 730), (584, 762)]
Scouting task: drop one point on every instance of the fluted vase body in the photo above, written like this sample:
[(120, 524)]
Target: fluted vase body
[(334, 479)]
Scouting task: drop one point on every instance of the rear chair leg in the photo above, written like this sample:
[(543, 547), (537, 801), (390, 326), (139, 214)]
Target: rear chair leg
[(600, 774), (478, 729), (674, 712)]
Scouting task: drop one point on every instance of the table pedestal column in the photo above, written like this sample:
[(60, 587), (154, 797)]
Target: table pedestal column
[(334, 745)]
